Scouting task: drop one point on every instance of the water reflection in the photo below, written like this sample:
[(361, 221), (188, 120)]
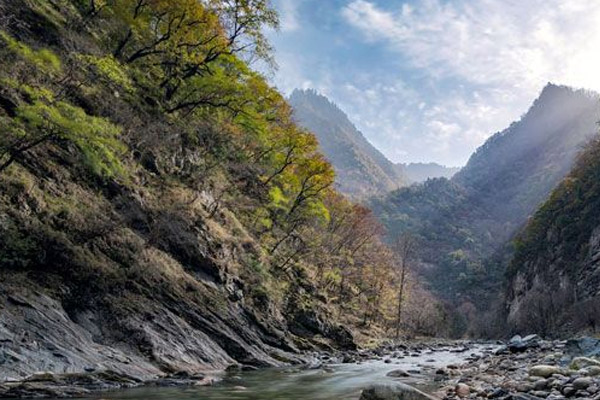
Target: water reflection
[(344, 381)]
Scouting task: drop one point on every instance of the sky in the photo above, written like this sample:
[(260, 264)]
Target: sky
[(430, 80)]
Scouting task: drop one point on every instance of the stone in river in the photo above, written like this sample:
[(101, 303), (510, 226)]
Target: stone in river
[(398, 373), (396, 391)]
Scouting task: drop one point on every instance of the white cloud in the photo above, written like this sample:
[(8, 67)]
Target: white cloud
[(497, 54), (512, 43), (288, 14)]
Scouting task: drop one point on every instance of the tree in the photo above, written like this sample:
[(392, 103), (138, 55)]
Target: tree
[(405, 250), (36, 115), (244, 22)]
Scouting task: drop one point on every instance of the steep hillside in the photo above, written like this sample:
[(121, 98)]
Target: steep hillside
[(554, 276), (515, 170), (361, 169), (420, 172), (160, 212), (465, 221)]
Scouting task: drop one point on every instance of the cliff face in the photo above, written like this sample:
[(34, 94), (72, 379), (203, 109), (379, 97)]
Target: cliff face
[(554, 275), (141, 232), (116, 280)]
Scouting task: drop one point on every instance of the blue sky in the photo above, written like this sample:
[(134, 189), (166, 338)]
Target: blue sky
[(430, 80)]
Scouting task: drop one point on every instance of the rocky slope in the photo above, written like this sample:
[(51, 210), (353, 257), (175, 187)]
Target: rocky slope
[(362, 171), (464, 223), (131, 244)]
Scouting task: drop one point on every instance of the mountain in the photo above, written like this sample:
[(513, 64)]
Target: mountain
[(465, 223), (420, 172), (361, 169), (161, 214), (554, 277)]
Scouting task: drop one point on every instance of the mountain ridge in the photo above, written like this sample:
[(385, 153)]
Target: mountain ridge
[(464, 221), (361, 169)]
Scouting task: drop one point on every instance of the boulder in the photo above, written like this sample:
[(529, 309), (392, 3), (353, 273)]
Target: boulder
[(397, 391), (582, 383), (518, 344), (462, 390), (592, 370), (545, 371), (584, 362), (398, 373), (583, 347)]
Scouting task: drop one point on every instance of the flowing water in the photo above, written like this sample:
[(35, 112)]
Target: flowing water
[(337, 381)]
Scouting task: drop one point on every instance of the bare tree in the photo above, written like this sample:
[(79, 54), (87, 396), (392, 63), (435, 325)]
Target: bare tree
[(405, 248)]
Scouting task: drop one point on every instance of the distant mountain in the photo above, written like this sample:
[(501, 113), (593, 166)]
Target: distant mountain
[(464, 221), (420, 172), (362, 171)]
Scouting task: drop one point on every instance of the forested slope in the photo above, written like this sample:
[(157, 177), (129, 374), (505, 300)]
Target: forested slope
[(554, 276), (362, 170), (464, 225), (159, 209)]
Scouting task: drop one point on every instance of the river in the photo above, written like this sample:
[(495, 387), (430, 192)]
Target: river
[(335, 381)]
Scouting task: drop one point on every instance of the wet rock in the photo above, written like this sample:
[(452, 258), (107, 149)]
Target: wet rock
[(398, 373), (396, 391)]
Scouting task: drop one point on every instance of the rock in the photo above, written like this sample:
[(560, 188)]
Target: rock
[(540, 384), (515, 339), (397, 391), (531, 338), (568, 390), (518, 344), (398, 373), (592, 370), (545, 371), (583, 362), (524, 387), (497, 393), (462, 390), (583, 347), (582, 383), (523, 396), (540, 393)]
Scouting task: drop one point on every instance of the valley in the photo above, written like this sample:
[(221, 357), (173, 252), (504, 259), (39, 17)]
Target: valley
[(173, 226)]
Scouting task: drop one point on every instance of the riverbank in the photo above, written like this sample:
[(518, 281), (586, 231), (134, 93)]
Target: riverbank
[(523, 369), (529, 369)]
